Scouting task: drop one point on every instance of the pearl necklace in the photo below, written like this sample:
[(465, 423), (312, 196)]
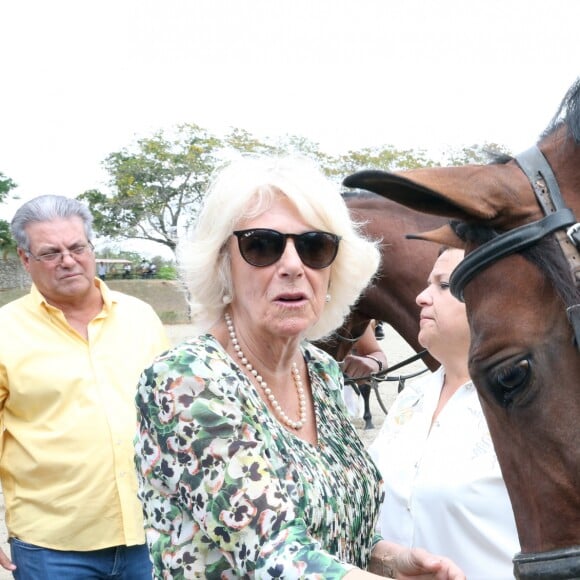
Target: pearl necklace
[(264, 386)]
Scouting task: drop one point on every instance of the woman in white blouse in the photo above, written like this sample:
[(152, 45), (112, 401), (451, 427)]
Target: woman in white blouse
[(444, 488)]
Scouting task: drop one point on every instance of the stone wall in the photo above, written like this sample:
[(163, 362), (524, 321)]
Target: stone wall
[(12, 274)]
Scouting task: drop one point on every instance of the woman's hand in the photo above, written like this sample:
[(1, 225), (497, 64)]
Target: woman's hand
[(394, 561), (418, 563)]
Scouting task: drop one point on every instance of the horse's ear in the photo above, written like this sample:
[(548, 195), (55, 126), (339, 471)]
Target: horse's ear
[(444, 236), (454, 203)]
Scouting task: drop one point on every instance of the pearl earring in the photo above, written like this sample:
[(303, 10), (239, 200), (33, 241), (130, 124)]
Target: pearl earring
[(327, 298), (226, 299)]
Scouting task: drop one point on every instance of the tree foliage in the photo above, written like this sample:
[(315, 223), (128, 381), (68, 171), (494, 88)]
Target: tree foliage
[(157, 186), (475, 154), (6, 185), (6, 241)]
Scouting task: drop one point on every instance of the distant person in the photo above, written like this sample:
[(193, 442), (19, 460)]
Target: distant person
[(152, 270), (71, 352), (102, 269), (127, 271), (144, 268), (249, 466), (444, 487)]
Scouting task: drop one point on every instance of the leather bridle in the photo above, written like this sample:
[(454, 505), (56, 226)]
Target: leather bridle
[(348, 339), (558, 219)]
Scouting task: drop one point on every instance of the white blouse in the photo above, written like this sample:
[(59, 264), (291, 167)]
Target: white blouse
[(443, 486)]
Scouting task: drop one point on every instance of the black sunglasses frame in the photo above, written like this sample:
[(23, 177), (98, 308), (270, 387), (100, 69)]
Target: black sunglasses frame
[(301, 242)]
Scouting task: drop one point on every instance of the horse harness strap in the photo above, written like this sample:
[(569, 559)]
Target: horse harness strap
[(559, 563), (543, 181), (505, 244), (558, 219), (545, 186), (349, 339), (382, 374)]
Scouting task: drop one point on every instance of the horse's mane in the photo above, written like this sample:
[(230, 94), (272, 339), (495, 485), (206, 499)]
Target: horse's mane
[(545, 255), (568, 114)]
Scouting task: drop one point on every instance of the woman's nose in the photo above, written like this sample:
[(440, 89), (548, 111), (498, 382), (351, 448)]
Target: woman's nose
[(290, 258), (423, 297)]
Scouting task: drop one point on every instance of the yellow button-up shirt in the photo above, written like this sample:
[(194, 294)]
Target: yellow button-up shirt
[(68, 421)]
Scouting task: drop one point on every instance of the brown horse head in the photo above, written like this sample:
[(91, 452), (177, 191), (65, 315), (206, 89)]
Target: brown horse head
[(523, 356)]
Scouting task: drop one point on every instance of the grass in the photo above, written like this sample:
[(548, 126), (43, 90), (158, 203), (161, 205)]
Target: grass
[(165, 296)]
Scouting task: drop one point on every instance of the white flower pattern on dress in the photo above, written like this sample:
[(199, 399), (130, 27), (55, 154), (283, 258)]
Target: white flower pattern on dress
[(230, 493)]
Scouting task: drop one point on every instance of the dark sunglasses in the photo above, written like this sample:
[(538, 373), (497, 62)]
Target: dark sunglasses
[(263, 247)]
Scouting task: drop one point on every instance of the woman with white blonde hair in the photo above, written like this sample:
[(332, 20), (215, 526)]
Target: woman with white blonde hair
[(249, 466), (246, 189)]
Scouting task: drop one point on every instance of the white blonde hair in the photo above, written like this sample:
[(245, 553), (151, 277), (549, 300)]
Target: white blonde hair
[(245, 189)]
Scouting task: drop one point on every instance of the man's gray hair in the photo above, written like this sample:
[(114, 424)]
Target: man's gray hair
[(47, 208)]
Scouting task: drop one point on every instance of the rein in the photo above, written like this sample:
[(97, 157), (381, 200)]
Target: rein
[(348, 339), (382, 375), (558, 219)]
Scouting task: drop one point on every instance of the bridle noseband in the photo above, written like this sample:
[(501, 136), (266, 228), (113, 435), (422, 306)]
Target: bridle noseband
[(558, 219)]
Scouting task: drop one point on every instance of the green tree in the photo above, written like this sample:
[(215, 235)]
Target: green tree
[(157, 187), (6, 185), (385, 157), (244, 142), (7, 243), (475, 154)]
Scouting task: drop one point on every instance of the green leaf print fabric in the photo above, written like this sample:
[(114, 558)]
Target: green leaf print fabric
[(229, 493)]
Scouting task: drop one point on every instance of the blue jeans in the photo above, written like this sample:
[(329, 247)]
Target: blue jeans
[(118, 563)]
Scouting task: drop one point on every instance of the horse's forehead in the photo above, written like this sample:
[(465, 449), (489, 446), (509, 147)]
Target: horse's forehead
[(511, 301)]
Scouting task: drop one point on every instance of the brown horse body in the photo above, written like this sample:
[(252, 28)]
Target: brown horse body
[(523, 356), (403, 272)]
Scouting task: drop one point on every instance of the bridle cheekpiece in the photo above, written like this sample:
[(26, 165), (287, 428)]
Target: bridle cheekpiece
[(558, 219)]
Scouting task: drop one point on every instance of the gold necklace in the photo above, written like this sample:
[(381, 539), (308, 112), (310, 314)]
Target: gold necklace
[(264, 386)]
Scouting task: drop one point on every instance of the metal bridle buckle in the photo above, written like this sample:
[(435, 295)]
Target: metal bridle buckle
[(573, 234)]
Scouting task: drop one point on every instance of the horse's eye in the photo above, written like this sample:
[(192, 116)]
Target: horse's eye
[(510, 380), (514, 376)]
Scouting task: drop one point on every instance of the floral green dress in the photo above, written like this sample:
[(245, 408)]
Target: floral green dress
[(228, 492)]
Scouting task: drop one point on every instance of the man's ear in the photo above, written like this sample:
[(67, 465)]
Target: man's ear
[(24, 258)]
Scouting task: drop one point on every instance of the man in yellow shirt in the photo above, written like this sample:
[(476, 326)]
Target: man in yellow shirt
[(71, 353)]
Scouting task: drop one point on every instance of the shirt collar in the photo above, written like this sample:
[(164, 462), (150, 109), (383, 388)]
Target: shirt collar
[(108, 295)]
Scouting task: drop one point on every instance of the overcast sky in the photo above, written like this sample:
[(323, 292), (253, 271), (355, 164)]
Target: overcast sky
[(84, 78)]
